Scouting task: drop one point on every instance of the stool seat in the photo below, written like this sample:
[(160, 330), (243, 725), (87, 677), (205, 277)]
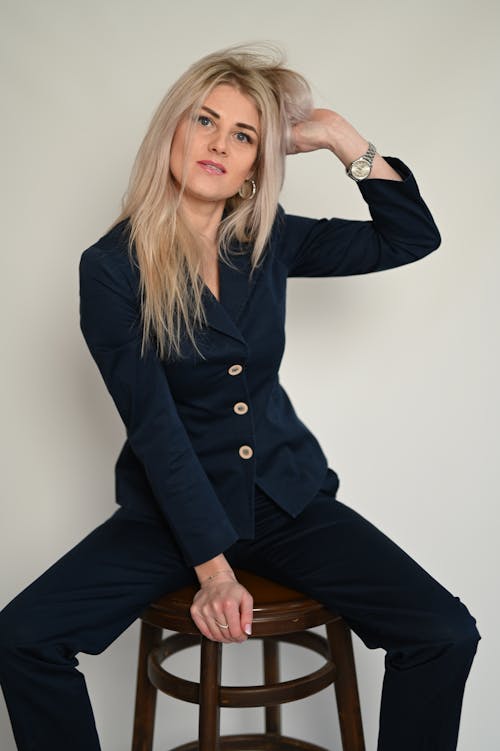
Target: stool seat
[(276, 609), (280, 614)]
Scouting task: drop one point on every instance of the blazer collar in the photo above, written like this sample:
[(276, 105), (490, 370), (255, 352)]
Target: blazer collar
[(235, 288)]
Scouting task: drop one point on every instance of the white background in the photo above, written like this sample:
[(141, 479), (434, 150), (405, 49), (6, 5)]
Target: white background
[(404, 364)]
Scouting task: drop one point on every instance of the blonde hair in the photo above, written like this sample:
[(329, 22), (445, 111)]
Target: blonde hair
[(168, 252)]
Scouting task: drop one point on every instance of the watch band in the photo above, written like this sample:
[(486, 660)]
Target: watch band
[(360, 168)]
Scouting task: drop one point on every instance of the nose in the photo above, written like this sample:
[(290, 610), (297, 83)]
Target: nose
[(218, 144)]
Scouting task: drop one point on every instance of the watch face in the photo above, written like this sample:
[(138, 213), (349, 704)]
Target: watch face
[(360, 169)]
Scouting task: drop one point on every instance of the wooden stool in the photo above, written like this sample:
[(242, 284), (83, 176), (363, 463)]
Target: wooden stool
[(279, 614)]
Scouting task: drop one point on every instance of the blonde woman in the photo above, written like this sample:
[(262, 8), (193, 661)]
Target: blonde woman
[(183, 310)]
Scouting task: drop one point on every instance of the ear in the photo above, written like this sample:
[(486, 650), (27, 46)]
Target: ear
[(252, 171), (250, 174)]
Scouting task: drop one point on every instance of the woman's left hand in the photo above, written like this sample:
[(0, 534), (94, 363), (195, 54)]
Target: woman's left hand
[(326, 129)]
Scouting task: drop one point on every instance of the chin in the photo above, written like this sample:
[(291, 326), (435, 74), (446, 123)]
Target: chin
[(211, 196)]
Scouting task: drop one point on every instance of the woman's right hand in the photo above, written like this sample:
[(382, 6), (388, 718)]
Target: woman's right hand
[(225, 600)]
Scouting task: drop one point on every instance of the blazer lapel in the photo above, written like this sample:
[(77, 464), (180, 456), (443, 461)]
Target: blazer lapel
[(235, 288)]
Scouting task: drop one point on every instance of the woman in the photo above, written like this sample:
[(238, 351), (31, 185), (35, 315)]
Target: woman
[(183, 310)]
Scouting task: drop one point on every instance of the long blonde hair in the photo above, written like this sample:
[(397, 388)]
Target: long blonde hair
[(168, 252)]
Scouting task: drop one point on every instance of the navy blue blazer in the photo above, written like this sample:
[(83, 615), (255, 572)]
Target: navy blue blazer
[(200, 433)]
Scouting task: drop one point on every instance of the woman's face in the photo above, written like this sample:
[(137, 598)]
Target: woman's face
[(223, 148)]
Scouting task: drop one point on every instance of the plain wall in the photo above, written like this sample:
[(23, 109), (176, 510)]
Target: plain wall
[(406, 405)]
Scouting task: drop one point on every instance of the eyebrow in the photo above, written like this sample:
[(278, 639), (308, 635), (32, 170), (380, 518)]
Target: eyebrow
[(240, 125)]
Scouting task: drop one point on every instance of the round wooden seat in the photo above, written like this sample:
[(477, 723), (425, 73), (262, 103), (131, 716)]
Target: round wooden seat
[(280, 614)]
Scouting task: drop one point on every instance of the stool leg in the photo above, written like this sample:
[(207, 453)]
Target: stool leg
[(346, 687), (210, 677), (271, 675), (145, 697)]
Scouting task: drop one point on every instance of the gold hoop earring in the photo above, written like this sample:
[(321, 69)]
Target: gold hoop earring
[(253, 191)]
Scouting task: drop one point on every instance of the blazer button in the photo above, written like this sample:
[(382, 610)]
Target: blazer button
[(235, 369), (245, 452), (240, 408)]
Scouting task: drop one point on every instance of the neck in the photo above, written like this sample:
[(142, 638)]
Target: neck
[(203, 216)]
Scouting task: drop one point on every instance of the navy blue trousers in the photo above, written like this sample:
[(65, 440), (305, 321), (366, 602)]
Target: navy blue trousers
[(329, 551)]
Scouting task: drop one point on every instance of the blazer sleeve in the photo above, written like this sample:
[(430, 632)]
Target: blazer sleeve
[(401, 230), (110, 323)]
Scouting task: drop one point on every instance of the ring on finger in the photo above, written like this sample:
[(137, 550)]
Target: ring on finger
[(222, 625)]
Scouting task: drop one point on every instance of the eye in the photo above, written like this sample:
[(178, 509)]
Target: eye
[(246, 138), (204, 120)]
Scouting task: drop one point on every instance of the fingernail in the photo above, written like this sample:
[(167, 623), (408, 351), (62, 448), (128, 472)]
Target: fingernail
[(248, 629)]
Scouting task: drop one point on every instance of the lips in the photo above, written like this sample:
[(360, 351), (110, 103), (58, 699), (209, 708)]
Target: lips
[(214, 168)]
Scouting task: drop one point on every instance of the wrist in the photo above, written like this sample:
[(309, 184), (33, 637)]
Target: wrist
[(226, 574), (350, 150), (212, 566), (346, 143)]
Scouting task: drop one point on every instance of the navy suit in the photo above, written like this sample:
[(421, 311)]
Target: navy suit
[(183, 434), (216, 460)]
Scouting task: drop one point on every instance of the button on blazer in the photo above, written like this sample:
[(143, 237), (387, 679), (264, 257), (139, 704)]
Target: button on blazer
[(202, 432)]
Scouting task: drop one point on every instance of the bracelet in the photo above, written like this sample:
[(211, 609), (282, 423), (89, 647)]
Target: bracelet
[(212, 576)]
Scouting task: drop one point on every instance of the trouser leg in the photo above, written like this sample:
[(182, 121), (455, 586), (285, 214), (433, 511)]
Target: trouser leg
[(80, 604), (336, 556)]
